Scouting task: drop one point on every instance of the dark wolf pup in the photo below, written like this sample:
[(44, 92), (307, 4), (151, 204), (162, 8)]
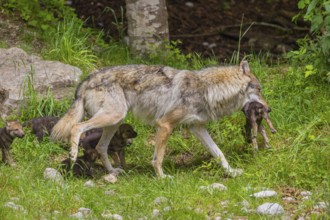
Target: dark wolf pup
[(118, 143), (41, 126), (161, 96), (83, 166), (12, 130), (254, 113)]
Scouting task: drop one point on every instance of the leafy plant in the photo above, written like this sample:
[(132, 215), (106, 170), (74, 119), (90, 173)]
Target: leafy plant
[(70, 44), (315, 52), (39, 13)]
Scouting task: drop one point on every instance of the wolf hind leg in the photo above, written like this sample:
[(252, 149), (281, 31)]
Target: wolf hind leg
[(203, 136), (109, 121)]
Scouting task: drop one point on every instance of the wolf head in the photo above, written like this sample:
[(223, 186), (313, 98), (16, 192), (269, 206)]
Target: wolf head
[(253, 90), (14, 129)]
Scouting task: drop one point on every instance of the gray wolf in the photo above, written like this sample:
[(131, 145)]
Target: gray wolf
[(83, 166), (161, 96), (118, 143), (12, 130), (255, 112), (42, 126)]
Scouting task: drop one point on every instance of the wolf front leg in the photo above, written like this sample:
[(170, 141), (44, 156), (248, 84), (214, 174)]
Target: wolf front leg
[(203, 136), (6, 156)]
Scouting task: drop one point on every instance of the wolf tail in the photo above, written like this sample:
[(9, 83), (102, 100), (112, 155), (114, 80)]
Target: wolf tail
[(62, 129)]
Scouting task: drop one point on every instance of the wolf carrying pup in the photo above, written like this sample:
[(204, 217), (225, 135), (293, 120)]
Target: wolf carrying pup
[(12, 130), (161, 96)]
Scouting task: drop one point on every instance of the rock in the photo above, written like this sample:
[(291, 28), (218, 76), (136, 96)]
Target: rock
[(84, 211), (110, 192), (160, 200), (306, 193), (167, 209), (54, 175), (264, 194), (106, 214), (214, 186), (155, 213), (270, 209), (77, 215), (218, 186), (110, 178), (14, 206), (289, 199), (245, 204), (320, 205), (17, 68), (89, 183), (117, 217)]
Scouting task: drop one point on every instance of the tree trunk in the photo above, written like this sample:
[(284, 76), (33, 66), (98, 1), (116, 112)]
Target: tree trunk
[(147, 25)]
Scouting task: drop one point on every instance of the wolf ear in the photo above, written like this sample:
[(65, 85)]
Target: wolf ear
[(244, 67)]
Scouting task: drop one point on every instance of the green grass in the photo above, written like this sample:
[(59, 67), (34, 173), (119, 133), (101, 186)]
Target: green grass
[(300, 159)]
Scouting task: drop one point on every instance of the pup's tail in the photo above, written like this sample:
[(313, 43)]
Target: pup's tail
[(62, 129)]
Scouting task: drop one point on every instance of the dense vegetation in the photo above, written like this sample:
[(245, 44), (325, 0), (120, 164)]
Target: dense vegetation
[(297, 91)]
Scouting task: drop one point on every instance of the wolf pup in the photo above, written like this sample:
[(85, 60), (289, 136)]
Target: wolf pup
[(116, 148), (254, 113), (12, 130), (42, 126), (83, 167), (161, 96)]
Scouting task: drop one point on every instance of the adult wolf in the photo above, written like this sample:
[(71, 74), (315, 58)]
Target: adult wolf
[(161, 96)]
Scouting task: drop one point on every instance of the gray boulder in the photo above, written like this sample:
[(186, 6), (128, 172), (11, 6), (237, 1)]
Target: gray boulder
[(17, 68)]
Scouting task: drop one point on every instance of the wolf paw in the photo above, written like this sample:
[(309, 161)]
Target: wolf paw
[(116, 171), (234, 172), (165, 176)]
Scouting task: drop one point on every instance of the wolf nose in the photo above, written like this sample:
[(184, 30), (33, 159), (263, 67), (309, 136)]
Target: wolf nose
[(269, 110)]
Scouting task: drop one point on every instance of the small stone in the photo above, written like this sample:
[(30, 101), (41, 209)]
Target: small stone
[(320, 205), (77, 215), (224, 203), (54, 175), (110, 192), (155, 213), (212, 45), (264, 194), (106, 214), (203, 187), (160, 200), (189, 4), (289, 199), (89, 183), (270, 209), (117, 217), (110, 178), (245, 204), (167, 208), (14, 206), (84, 211), (306, 193), (218, 186)]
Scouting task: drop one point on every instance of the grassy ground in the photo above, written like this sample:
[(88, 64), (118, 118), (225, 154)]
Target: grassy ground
[(298, 161)]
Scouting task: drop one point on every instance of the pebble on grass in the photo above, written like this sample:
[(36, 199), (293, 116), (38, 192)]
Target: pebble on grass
[(270, 209)]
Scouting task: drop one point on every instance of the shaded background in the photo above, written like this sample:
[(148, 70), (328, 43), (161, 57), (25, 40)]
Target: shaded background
[(211, 27)]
